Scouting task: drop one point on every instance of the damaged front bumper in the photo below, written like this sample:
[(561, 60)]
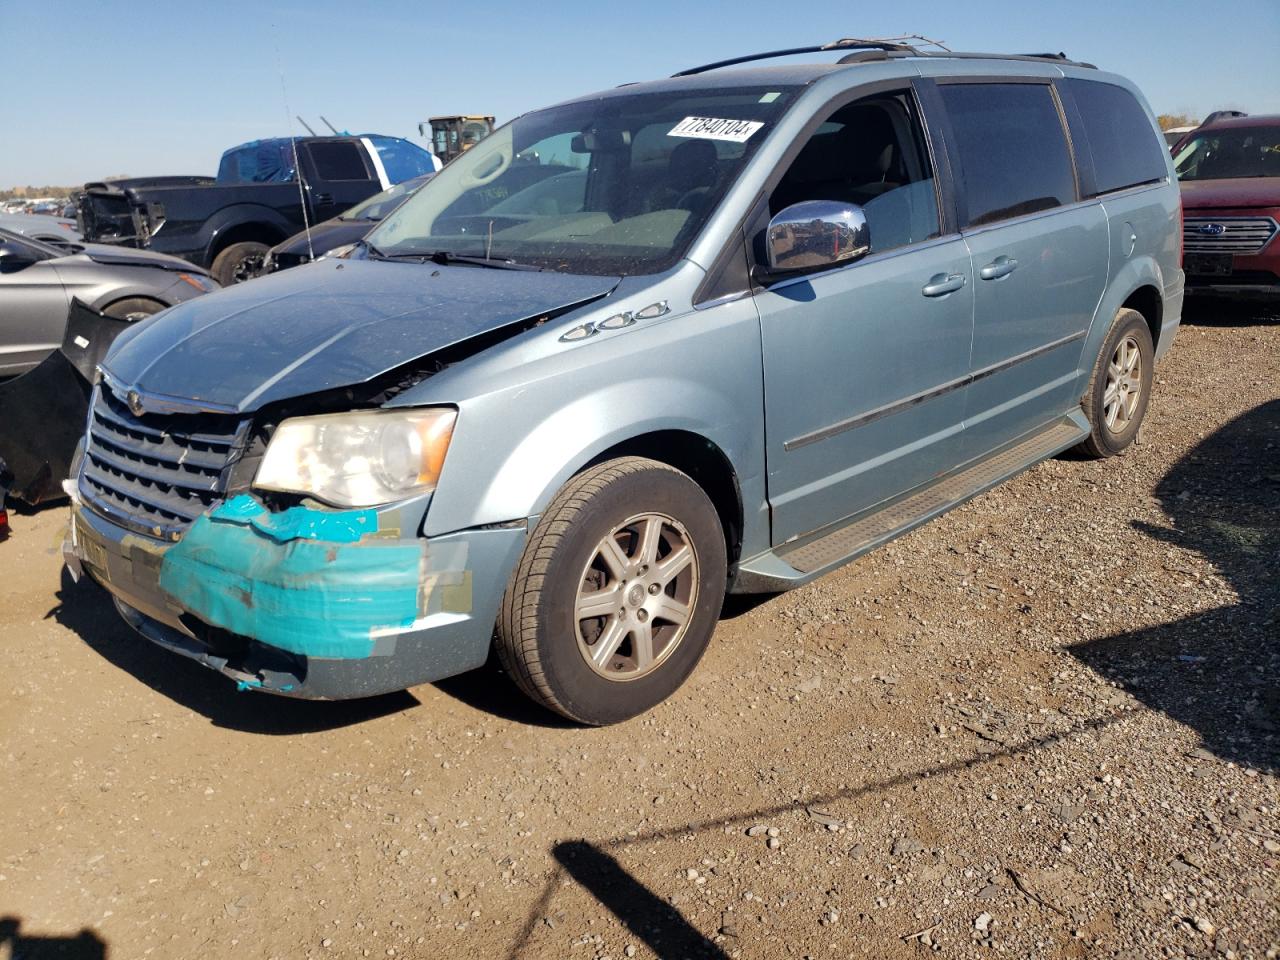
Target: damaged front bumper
[(306, 603)]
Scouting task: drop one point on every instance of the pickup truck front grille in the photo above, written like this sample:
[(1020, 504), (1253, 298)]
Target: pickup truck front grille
[(155, 473), (1244, 235)]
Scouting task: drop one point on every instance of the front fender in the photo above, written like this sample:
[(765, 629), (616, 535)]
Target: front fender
[(517, 443), (559, 446)]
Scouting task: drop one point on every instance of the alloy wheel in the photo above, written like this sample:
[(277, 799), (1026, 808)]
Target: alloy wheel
[(636, 596), (1124, 385)]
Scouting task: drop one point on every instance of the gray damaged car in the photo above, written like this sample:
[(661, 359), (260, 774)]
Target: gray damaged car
[(58, 231), (784, 314), (38, 282)]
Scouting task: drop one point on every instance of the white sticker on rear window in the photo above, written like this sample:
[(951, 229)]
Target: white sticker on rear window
[(713, 128)]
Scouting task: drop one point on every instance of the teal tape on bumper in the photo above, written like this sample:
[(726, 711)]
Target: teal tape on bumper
[(298, 523), (320, 595)]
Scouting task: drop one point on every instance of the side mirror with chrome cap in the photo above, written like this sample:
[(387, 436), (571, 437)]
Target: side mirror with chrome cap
[(814, 235)]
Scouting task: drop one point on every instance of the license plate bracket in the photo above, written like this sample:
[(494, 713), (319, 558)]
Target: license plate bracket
[(92, 550), (1209, 264)]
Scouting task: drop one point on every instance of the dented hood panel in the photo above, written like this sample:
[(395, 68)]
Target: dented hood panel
[(328, 324)]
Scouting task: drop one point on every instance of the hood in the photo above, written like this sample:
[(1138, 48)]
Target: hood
[(1235, 193), (329, 324), (325, 236), (131, 257)]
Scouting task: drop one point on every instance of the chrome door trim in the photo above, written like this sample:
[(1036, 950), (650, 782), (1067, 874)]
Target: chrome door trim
[(897, 406)]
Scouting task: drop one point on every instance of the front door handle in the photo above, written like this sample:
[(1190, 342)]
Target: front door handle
[(940, 284), (322, 197), (999, 267)]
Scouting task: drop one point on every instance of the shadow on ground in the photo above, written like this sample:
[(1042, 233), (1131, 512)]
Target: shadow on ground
[(85, 945), (1217, 671), (1204, 310), (646, 915), (664, 928), (491, 691), (86, 609)]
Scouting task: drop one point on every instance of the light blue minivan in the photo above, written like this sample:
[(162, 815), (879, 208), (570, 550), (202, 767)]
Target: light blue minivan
[(722, 332)]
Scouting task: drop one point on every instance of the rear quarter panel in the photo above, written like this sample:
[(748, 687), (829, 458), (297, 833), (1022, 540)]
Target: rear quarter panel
[(1144, 227)]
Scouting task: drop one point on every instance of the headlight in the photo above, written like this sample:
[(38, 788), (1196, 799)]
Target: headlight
[(358, 459)]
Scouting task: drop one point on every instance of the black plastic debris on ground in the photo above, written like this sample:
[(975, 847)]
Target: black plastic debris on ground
[(43, 412)]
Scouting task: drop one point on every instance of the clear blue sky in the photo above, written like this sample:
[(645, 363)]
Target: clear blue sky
[(146, 87)]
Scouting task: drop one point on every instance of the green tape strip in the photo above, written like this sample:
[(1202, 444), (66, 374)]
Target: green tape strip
[(317, 594), (298, 523)]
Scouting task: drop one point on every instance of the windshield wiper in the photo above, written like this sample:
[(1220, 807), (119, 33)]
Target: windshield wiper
[(447, 257), (444, 257)]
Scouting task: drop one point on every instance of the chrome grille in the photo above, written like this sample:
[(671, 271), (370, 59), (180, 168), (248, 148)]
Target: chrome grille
[(1238, 234), (156, 473)]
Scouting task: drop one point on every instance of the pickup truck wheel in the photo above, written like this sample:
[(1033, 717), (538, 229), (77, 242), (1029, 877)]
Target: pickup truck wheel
[(134, 308), (617, 593), (1120, 387), (239, 262)]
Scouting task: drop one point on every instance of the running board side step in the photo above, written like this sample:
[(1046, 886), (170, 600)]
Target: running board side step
[(803, 560)]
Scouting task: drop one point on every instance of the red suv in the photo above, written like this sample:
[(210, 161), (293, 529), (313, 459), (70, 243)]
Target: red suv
[(1229, 171)]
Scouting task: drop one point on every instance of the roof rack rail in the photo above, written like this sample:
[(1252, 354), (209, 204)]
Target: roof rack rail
[(871, 55), (845, 44), (871, 50)]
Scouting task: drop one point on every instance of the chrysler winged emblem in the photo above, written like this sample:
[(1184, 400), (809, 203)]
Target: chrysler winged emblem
[(134, 400)]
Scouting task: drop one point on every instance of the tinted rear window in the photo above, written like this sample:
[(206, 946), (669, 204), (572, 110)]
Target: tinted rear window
[(1012, 149), (262, 161), (338, 161), (1126, 151)]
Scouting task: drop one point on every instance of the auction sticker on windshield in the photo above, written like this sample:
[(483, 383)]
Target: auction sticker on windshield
[(712, 128)]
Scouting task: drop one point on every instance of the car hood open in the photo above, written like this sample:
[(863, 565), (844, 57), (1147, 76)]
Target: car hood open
[(330, 324)]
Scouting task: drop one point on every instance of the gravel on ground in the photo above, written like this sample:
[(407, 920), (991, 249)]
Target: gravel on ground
[(1044, 725)]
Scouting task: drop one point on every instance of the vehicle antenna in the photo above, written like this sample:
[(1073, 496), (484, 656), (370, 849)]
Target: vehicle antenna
[(293, 142)]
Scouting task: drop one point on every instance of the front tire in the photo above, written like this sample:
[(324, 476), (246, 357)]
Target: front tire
[(239, 262), (617, 593), (133, 308), (1120, 387)]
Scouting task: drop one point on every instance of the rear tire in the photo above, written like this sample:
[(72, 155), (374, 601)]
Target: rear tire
[(134, 308), (239, 262), (1120, 387), (617, 594)]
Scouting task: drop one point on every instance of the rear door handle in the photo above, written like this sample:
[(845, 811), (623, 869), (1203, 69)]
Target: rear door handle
[(997, 268), (940, 284)]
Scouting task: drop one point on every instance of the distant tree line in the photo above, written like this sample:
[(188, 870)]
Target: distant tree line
[(1168, 121), (29, 191)]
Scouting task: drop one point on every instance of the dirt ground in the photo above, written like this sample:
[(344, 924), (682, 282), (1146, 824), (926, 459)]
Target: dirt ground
[(1046, 725)]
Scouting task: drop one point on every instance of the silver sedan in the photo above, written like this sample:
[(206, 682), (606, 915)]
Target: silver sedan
[(38, 282), (56, 230)]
